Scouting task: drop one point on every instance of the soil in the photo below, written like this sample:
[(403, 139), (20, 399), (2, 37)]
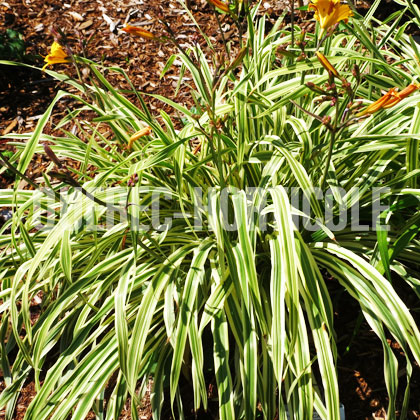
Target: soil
[(91, 28)]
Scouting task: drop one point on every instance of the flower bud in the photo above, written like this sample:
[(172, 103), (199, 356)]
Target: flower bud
[(356, 72), (326, 120), (330, 86), (327, 65), (347, 86), (301, 57), (315, 88), (134, 179), (220, 5), (136, 31), (52, 155), (146, 131)]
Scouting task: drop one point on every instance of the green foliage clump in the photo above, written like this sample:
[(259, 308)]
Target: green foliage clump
[(12, 45)]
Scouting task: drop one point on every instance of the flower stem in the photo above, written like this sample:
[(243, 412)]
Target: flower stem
[(329, 156), (334, 130)]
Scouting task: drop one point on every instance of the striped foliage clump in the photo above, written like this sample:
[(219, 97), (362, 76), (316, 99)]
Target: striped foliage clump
[(246, 308)]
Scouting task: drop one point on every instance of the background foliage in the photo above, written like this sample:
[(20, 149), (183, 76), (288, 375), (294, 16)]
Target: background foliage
[(12, 46)]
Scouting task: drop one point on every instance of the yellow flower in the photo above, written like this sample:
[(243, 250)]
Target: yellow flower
[(220, 5), (330, 12), (135, 30), (326, 64), (391, 98), (56, 56)]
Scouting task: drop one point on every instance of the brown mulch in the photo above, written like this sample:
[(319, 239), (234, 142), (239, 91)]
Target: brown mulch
[(91, 27)]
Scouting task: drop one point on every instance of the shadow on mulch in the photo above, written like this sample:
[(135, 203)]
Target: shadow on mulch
[(360, 362)]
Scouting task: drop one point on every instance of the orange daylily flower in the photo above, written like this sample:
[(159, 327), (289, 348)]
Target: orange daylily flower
[(146, 131), (56, 56), (326, 64), (330, 12), (135, 30), (401, 95), (220, 5), (391, 98)]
